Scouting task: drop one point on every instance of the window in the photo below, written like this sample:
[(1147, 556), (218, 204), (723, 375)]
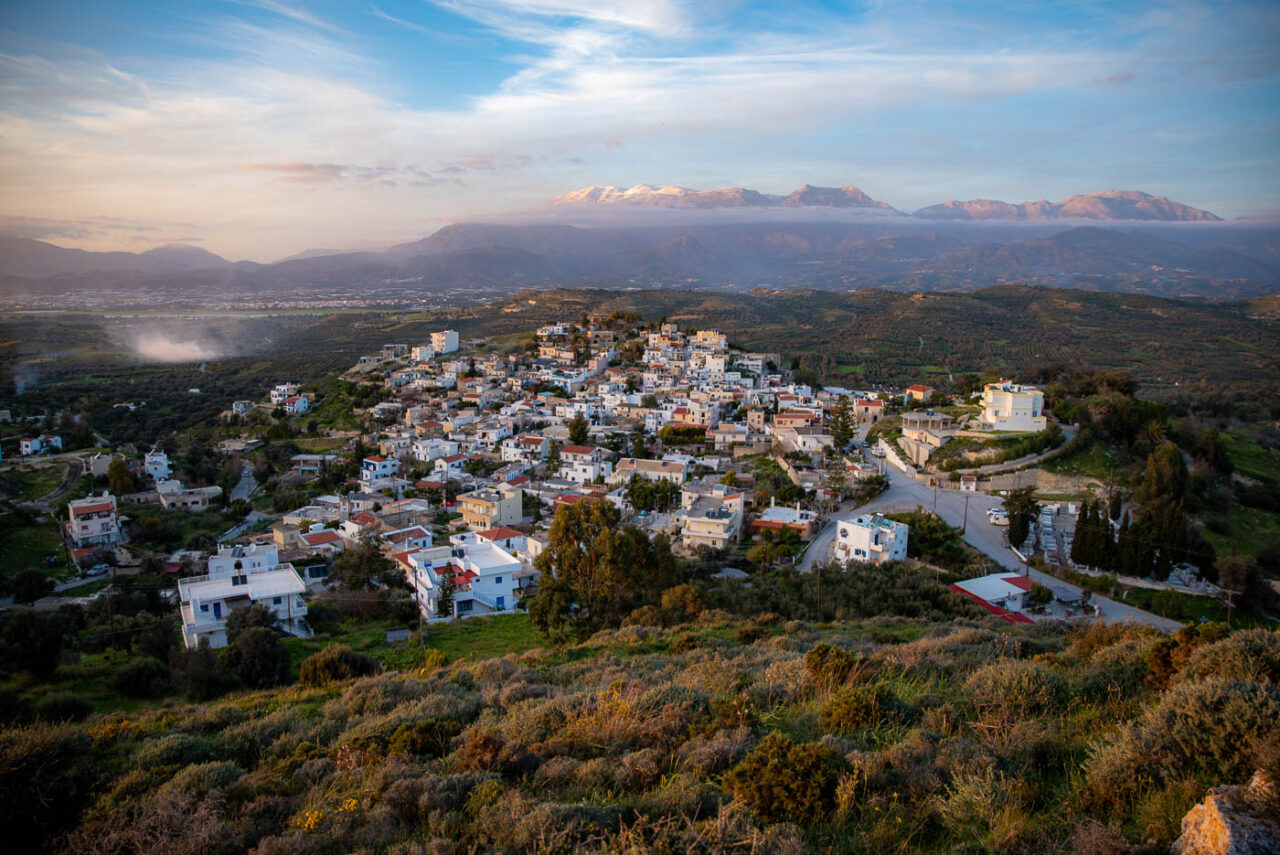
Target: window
[(275, 601), (497, 580), (204, 607)]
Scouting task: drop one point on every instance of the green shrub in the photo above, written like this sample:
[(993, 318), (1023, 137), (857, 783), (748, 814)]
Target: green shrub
[(62, 707), (1208, 729), (854, 708), (684, 642), (333, 664), (143, 678), (432, 660), (828, 665), (46, 772), (1012, 690), (484, 795), (180, 749), (1122, 669), (424, 738), (1251, 654), (781, 779), (644, 616), (202, 777)]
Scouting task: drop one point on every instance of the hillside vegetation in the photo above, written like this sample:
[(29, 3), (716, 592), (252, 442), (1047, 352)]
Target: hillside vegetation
[(721, 735)]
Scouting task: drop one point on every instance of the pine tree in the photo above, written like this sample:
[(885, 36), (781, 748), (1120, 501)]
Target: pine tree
[(841, 423)]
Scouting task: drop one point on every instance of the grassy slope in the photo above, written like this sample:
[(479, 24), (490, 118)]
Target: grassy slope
[(636, 729)]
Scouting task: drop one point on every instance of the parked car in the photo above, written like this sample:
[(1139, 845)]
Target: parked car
[(98, 569)]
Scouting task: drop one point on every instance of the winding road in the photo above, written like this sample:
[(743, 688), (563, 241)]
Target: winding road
[(905, 494)]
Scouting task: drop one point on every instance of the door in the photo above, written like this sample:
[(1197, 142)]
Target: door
[(217, 611)]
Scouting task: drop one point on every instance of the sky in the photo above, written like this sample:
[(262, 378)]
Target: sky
[(261, 128)]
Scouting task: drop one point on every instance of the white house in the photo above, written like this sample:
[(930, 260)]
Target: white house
[(427, 450), (374, 469), (296, 405), (525, 449), (583, 464), (93, 521), (711, 515), (485, 578), (282, 392), (1003, 593), (451, 467), (871, 538), (405, 539), (674, 471), (1009, 406), (40, 444), (423, 353), (157, 466), (445, 341), (175, 497), (240, 577), (248, 559)]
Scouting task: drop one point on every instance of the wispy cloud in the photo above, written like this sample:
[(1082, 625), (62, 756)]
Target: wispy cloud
[(278, 103)]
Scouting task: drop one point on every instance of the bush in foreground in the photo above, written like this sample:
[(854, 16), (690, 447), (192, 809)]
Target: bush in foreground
[(333, 664), (781, 779)]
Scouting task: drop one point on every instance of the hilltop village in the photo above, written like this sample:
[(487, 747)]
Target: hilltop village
[(466, 456), (472, 582)]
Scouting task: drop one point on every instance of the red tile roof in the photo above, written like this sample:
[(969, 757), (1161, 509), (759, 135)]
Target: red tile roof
[(319, 538), (100, 507), (500, 533), (577, 449)]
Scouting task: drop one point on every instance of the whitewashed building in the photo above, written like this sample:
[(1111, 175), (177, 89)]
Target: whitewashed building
[(240, 577), (871, 538)]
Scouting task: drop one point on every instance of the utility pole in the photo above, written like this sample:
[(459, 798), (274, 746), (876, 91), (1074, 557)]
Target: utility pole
[(964, 525), (818, 569)]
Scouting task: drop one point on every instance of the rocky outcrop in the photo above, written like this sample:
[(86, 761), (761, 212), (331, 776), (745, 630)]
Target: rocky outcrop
[(1234, 820)]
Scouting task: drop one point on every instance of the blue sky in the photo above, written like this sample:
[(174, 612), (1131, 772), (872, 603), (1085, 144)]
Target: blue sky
[(260, 128)]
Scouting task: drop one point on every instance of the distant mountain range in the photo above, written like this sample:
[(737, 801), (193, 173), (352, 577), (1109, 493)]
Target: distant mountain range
[(1210, 261), (35, 259), (1107, 205), (1133, 242)]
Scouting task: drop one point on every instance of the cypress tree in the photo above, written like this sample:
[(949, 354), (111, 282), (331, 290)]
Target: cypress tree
[(1080, 543)]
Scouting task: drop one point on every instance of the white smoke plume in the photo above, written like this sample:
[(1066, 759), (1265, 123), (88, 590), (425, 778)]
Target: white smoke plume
[(162, 347)]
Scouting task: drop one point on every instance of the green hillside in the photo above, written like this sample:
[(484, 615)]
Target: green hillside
[(887, 735)]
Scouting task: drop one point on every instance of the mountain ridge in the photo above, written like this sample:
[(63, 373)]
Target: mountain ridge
[(1102, 205)]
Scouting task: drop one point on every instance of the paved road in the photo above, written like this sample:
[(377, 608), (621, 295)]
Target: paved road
[(246, 486), (250, 521), (905, 493)]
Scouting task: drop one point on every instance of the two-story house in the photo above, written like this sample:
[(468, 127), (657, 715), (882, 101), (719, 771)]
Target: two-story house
[(375, 469), (585, 464), (871, 538), (1009, 406), (526, 448), (240, 577), (93, 521), (489, 507), (40, 444)]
